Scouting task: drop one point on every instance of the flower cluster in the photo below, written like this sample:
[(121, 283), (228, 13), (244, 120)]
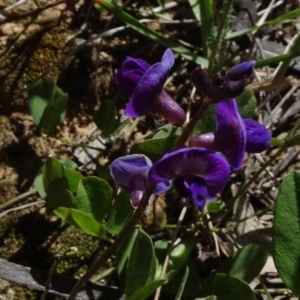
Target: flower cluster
[(201, 170)]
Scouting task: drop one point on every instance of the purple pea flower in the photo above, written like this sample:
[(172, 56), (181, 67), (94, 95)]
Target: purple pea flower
[(198, 173), (131, 174), (233, 135), (144, 84), (224, 85)]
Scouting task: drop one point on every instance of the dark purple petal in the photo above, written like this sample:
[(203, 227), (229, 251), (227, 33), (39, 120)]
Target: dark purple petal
[(230, 135), (162, 187), (131, 172), (130, 73), (205, 140), (135, 198), (149, 87), (242, 70), (211, 166), (166, 107), (202, 82), (230, 89), (258, 137), (199, 194)]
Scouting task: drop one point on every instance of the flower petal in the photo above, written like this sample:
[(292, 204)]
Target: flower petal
[(130, 73), (199, 194), (131, 171), (162, 187), (242, 70), (229, 137), (202, 81), (166, 107), (258, 137), (211, 166), (231, 133), (149, 87)]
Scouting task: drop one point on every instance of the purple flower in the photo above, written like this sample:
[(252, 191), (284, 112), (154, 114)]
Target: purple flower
[(223, 86), (131, 174), (198, 173), (144, 84), (233, 135), (258, 137)]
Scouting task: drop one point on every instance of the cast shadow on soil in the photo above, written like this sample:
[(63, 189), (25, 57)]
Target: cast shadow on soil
[(24, 160)]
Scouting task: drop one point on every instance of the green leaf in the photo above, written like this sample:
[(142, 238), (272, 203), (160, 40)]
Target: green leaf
[(141, 265), (124, 253), (37, 106), (286, 229), (247, 103), (149, 33), (155, 148), (192, 286), (146, 290), (51, 171), (54, 113), (207, 121), (81, 220), (105, 117), (73, 178), (58, 195), (245, 263), (119, 213), (94, 197), (47, 104), (167, 131), (226, 287), (68, 163), (214, 206), (39, 185)]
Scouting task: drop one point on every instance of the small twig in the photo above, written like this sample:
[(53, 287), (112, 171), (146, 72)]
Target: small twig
[(170, 248), (210, 226), (21, 207), (58, 260), (31, 13), (18, 198)]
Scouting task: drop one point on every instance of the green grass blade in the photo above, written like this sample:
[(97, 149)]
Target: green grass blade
[(293, 46), (277, 59), (207, 25), (292, 14), (221, 33), (195, 5), (155, 36)]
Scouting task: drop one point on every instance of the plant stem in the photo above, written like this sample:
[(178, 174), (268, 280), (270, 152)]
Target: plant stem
[(187, 130), (140, 210)]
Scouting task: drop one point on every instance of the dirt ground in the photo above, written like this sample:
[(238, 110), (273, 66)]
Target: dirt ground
[(37, 39)]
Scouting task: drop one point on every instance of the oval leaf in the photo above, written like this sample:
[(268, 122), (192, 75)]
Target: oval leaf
[(119, 214), (105, 117), (155, 148), (94, 197), (141, 266), (81, 220), (226, 287), (245, 263), (286, 242)]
